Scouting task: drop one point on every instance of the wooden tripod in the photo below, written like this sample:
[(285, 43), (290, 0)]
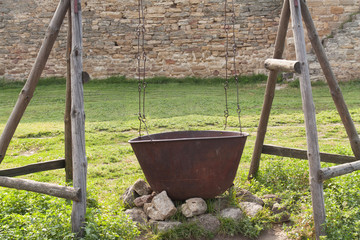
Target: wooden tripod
[(74, 120), (298, 9)]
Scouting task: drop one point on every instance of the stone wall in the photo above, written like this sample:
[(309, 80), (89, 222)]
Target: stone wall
[(183, 37), (342, 47), (337, 22)]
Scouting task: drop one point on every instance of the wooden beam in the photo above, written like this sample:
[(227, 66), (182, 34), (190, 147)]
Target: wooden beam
[(282, 65), (78, 121), (33, 168), (302, 154), (270, 90), (67, 117), (39, 187), (316, 187), (332, 82), (331, 172), (28, 90)]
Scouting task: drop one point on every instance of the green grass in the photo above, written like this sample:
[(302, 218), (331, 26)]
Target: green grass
[(172, 104)]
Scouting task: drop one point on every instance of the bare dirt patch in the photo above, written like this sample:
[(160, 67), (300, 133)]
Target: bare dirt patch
[(28, 153), (276, 233)]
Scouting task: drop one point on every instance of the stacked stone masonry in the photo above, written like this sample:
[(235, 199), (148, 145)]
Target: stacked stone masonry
[(183, 37)]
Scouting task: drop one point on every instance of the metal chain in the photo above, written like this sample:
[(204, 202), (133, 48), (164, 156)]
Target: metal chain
[(141, 60), (234, 47), (226, 84), (238, 110)]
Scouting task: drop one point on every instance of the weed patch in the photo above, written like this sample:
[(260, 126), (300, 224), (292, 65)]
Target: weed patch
[(173, 104), (185, 231), (244, 226)]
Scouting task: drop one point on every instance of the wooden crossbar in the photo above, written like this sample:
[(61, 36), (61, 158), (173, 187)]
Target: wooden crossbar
[(33, 168), (336, 171), (39, 187), (283, 65), (302, 154)]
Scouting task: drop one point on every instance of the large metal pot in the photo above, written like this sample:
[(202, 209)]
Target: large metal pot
[(190, 163)]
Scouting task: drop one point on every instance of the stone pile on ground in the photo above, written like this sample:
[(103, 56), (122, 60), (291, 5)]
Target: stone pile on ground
[(156, 209)]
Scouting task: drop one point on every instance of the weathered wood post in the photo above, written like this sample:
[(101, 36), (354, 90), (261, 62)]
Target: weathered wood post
[(67, 117), (313, 153), (332, 82), (270, 90), (39, 187), (336, 171), (78, 120)]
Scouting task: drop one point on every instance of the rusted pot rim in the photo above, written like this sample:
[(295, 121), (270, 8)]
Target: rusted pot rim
[(148, 138)]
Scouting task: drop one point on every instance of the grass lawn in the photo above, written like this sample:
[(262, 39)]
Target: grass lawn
[(111, 120)]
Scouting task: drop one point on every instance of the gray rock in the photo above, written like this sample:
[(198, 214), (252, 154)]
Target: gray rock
[(221, 203), (4, 10), (140, 201), (233, 213), (208, 222), (277, 208), (164, 225), (146, 207), (270, 200), (141, 187), (282, 217), (251, 208), (272, 197), (246, 196), (137, 215), (129, 197), (161, 207), (193, 207)]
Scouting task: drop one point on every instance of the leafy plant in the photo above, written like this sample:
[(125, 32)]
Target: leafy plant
[(188, 230), (244, 226), (172, 104), (35, 216)]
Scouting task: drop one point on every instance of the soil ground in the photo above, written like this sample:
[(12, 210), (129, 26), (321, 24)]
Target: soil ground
[(276, 233)]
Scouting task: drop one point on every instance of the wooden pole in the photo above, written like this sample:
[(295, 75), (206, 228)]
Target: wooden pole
[(332, 82), (270, 90), (316, 186), (33, 168), (302, 154), (331, 172), (282, 65), (67, 118), (39, 187), (78, 120), (28, 90)]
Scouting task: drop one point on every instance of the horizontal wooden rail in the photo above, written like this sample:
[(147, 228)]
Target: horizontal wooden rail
[(302, 154), (336, 171), (283, 65), (39, 187), (33, 168)]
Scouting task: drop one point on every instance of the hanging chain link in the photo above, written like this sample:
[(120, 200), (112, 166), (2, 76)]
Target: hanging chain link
[(141, 66), (234, 48), (226, 84), (141, 60), (238, 110)]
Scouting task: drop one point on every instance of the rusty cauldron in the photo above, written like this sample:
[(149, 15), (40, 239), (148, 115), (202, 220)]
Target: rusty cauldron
[(190, 163)]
